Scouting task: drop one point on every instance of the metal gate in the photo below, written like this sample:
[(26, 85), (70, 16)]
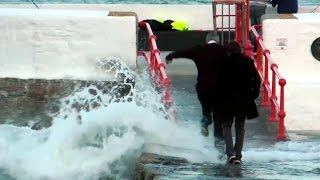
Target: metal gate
[(231, 21)]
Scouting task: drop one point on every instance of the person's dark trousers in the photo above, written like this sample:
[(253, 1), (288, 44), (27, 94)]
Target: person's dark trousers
[(207, 119), (255, 17), (206, 101), (236, 149), (255, 14)]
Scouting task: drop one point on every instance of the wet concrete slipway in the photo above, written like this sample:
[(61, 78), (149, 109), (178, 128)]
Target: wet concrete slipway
[(263, 156), (75, 130)]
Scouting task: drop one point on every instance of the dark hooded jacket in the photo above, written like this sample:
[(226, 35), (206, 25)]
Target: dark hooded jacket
[(285, 6), (206, 58), (238, 86)]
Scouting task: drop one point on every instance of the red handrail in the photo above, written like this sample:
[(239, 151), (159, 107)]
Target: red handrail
[(270, 93), (156, 67)]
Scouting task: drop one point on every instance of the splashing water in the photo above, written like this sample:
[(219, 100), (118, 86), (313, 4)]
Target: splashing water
[(99, 131)]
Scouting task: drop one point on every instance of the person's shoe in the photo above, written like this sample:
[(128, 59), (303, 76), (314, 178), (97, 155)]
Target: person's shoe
[(205, 131), (231, 159), (237, 162)]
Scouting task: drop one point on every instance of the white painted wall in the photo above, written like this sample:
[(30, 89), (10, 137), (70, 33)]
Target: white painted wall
[(298, 67), (63, 44)]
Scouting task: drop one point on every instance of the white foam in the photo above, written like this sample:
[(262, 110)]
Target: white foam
[(102, 140), (64, 152)]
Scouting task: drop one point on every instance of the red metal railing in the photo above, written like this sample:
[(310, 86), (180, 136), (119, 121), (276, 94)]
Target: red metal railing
[(264, 62), (156, 67)]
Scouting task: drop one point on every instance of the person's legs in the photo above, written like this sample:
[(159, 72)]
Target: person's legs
[(206, 112), (218, 130), (206, 116), (253, 19), (227, 134), (240, 132), (206, 120), (255, 14)]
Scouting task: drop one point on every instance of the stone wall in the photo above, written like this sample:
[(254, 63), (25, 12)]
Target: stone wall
[(22, 100), (37, 101)]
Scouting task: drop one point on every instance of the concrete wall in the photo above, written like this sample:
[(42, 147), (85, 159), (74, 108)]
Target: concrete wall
[(289, 38), (63, 44), (198, 17)]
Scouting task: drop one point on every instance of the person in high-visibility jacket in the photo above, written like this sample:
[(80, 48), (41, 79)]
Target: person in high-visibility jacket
[(166, 25), (179, 26)]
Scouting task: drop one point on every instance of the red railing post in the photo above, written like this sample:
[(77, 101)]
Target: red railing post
[(266, 82), (167, 93), (238, 24), (156, 66), (152, 52), (282, 114), (259, 53), (248, 22), (273, 94)]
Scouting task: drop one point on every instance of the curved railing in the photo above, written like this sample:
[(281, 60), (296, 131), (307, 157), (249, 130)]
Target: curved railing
[(156, 67), (270, 93)]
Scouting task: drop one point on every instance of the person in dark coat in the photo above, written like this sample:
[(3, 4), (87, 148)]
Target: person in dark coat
[(206, 58), (238, 85), (285, 6)]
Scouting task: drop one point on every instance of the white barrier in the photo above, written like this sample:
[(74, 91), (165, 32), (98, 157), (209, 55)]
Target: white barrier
[(289, 38), (63, 44)]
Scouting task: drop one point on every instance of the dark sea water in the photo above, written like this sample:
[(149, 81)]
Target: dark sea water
[(301, 2)]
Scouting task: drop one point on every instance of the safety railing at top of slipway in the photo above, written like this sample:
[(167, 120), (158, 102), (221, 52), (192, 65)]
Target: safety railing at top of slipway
[(264, 61), (156, 67)]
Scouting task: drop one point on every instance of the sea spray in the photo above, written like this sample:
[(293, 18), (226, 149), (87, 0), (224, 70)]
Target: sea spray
[(99, 131), (97, 128)]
